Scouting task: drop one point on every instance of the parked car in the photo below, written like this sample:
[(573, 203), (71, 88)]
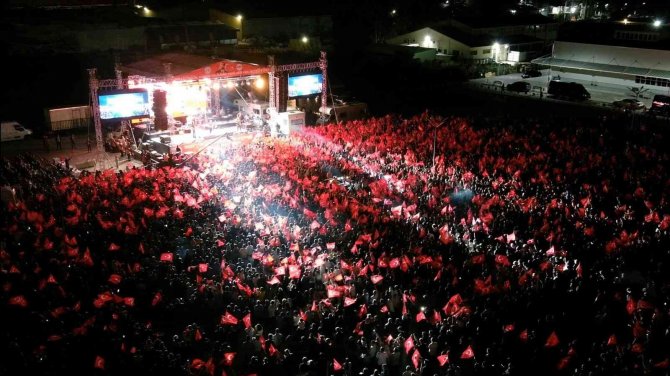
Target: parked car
[(519, 87), (629, 104), (531, 73)]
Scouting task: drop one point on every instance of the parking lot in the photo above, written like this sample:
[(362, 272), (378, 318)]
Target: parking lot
[(602, 94)]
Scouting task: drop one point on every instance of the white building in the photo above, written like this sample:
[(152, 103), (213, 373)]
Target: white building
[(613, 54)]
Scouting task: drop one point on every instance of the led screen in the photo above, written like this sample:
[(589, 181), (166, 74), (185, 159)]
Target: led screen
[(304, 85), (124, 105)]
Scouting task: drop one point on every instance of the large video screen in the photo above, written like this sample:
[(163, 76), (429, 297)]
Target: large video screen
[(124, 104), (304, 85)]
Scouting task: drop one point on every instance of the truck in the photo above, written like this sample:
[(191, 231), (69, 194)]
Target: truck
[(344, 112), (66, 118), (13, 130), (567, 90)]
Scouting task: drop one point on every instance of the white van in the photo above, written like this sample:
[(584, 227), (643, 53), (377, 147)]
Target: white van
[(13, 130)]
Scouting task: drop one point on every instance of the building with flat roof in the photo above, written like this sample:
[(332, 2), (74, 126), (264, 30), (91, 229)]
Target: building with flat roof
[(621, 53)]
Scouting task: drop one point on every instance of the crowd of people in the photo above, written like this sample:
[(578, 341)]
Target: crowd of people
[(387, 246)]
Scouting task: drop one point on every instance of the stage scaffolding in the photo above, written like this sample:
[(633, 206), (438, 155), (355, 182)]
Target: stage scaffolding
[(277, 76)]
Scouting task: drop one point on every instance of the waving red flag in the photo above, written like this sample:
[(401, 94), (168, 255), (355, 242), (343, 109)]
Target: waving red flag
[(330, 246), (376, 279), (167, 257), (420, 316), (272, 350), (19, 300), (202, 268), (443, 359), (113, 247), (273, 281), (99, 362), (552, 340), (228, 319), (336, 365), (468, 353), (416, 359), (611, 341), (502, 260), (157, 299), (409, 344), (247, 320), (114, 279), (349, 301), (228, 358)]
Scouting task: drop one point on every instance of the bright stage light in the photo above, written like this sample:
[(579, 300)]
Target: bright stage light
[(259, 83), (216, 85), (229, 84)]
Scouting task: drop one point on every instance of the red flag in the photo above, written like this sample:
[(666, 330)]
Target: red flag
[(468, 353), (437, 317), (157, 299), (508, 328), (349, 301), (409, 344), (99, 362), (611, 341), (502, 260), (665, 363), (416, 359), (272, 350), (228, 358), (228, 319), (552, 340), (18, 300), (420, 316), (129, 301), (294, 271), (395, 263), (167, 257), (113, 247), (247, 320), (330, 246), (114, 279), (443, 359), (523, 336), (202, 268), (336, 365), (363, 310), (376, 279), (631, 305), (51, 279), (273, 281), (637, 348), (198, 335)]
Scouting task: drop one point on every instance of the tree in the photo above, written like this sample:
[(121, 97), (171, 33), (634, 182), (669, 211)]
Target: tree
[(638, 91)]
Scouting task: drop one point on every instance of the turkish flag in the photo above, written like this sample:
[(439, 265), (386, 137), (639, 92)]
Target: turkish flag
[(247, 320), (502, 260), (228, 319), (443, 359), (508, 328), (376, 279), (129, 301), (167, 257), (274, 281), (336, 365), (202, 268), (330, 246), (198, 335), (18, 300), (99, 362), (611, 341), (552, 340), (114, 279), (523, 336), (272, 350), (468, 353), (228, 358), (157, 299), (409, 344), (420, 316), (395, 263), (349, 301), (416, 359)]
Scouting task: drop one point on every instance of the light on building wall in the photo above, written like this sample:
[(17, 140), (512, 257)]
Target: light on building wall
[(513, 11), (427, 40), (239, 18), (393, 12), (625, 21), (573, 9), (657, 23), (305, 39)]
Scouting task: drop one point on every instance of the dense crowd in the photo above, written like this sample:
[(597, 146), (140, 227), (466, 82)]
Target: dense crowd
[(389, 246)]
